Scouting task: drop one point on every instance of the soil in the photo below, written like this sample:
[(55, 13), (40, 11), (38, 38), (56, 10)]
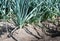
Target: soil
[(28, 33)]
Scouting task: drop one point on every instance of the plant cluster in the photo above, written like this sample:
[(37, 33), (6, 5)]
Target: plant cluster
[(28, 11)]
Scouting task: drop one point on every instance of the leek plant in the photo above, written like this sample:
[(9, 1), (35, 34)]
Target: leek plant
[(21, 10)]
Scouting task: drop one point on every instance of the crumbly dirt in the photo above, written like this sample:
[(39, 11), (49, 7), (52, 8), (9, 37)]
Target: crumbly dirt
[(22, 35)]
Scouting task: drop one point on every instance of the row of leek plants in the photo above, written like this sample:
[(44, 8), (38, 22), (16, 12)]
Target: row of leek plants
[(29, 10)]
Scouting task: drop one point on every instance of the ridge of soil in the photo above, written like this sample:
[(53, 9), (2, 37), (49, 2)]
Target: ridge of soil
[(22, 35)]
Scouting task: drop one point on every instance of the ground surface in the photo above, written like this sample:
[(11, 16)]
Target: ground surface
[(22, 35)]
